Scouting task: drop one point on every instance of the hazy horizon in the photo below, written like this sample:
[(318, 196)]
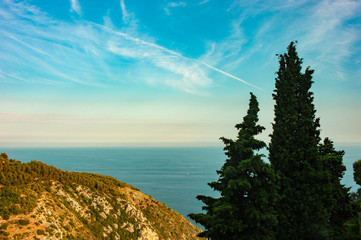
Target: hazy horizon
[(120, 72), (219, 144)]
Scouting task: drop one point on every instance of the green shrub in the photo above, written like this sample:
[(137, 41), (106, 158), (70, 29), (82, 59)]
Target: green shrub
[(3, 226), (40, 232), (4, 233), (67, 227), (23, 222)]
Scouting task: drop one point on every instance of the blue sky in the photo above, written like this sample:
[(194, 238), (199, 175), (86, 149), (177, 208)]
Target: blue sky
[(140, 72)]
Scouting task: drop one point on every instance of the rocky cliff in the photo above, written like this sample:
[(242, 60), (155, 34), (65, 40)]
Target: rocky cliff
[(42, 202)]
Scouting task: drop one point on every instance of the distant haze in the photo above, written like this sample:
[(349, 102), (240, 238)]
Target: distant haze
[(158, 73)]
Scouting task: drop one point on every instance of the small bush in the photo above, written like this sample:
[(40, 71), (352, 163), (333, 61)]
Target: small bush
[(3, 226), (4, 233), (23, 222), (67, 228), (40, 232)]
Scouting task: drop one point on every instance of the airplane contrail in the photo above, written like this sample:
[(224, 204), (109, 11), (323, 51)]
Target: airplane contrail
[(230, 75), (142, 42)]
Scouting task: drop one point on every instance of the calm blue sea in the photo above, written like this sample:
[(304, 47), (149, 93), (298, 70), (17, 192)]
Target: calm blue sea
[(174, 176)]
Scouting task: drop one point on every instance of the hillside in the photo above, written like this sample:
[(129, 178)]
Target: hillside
[(42, 202)]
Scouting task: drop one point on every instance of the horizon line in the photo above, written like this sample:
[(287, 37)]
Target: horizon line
[(134, 144)]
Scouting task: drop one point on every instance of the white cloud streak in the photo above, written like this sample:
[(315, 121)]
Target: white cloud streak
[(125, 14), (166, 58), (88, 53), (83, 52), (75, 6), (328, 34), (204, 2), (191, 74), (230, 75), (171, 5), (177, 4)]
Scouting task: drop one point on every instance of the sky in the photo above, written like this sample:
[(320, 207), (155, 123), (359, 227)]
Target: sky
[(168, 73)]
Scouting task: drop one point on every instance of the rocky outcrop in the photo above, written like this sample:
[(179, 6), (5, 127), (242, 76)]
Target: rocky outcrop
[(76, 212)]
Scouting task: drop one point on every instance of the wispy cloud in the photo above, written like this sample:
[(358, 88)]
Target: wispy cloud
[(192, 75), (328, 33), (167, 59), (332, 36), (171, 5), (75, 6), (204, 2), (125, 14), (82, 52)]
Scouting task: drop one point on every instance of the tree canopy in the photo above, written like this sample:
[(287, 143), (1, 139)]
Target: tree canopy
[(246, 185), (293, 153), (299, 195)]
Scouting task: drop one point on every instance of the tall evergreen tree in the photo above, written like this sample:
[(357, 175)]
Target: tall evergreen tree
[(247, 188), (338, 202), (293, 153), (354, 224), (356, 196), (357, 172)]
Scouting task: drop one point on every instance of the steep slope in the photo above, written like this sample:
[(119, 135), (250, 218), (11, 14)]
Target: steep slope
[(42, 202)]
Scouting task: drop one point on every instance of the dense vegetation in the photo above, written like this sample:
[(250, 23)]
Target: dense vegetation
[(297, 196), (23, 183), (78, 203), (32, 178), (247, 186), (355, 222)]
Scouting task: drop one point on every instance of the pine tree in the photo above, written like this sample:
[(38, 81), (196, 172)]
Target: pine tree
[(247, 188), (293, 153)]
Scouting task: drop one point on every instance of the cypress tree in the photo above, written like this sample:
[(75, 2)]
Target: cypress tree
[(354, 224), (356, 196), (293, 153), (338, 203), (247, 188), (357, 172)]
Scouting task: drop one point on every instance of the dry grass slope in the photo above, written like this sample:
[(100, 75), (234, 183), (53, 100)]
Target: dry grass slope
[(42, 202)]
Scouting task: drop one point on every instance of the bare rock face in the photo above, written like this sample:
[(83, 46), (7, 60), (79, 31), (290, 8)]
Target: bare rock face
[(86, 206)]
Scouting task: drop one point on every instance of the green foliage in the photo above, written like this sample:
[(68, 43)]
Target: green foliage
[(4, 233), (300, 195), (356, 196), (23, 183), (247, 187), (40, 232), (338, 201), (23, 222), (67, 228), (354, 224), (357, 172), (294, 154), (15, 201), (4, 226)]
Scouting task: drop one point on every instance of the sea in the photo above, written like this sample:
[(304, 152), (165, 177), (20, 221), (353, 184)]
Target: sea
[(174, 176)]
